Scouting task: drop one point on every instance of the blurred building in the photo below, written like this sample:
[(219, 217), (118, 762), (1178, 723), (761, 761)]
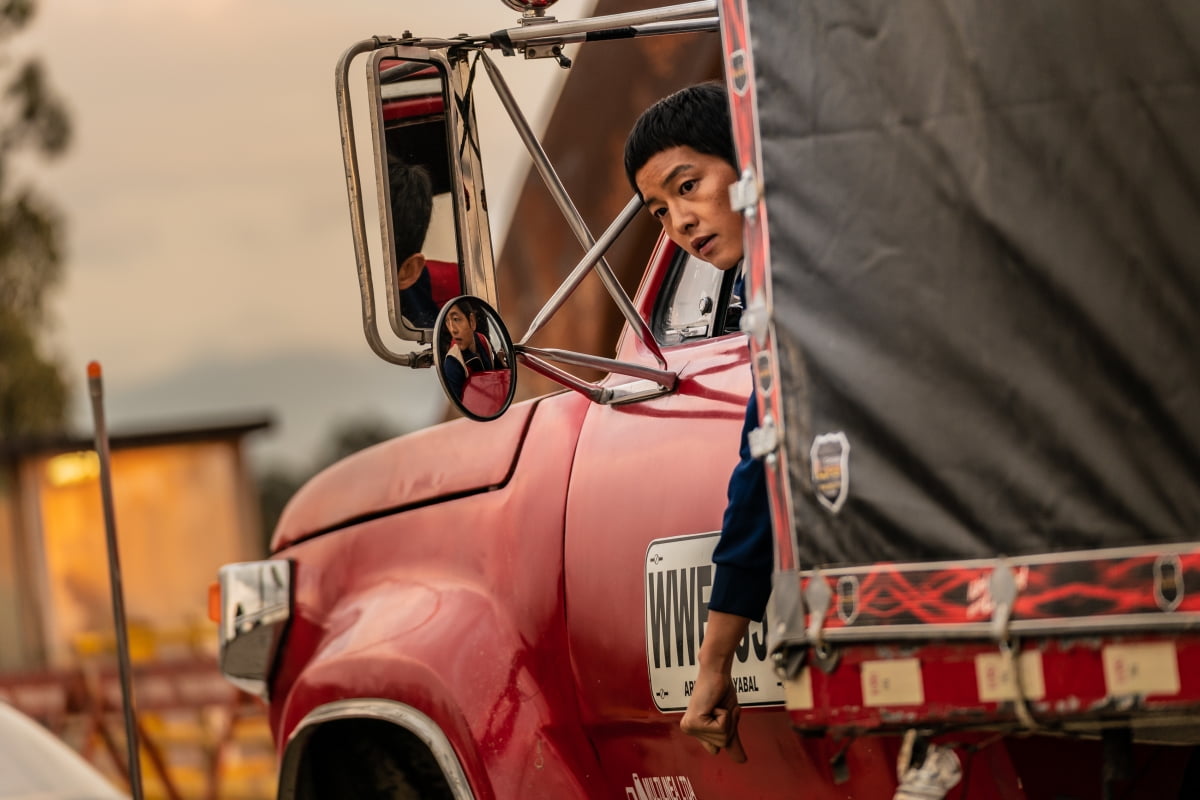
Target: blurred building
[(185, 504)]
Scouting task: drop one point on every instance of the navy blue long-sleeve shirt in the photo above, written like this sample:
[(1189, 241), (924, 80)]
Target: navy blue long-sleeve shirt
[(745, 555)]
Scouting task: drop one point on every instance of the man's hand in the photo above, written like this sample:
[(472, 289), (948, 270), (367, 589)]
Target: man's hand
[(712, 714)]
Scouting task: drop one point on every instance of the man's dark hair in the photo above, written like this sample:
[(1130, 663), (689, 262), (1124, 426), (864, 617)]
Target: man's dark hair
[(466, 305), (695, 117), (412, 205)]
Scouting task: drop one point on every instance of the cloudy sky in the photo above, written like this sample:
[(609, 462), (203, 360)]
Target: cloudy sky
[(210, 266)]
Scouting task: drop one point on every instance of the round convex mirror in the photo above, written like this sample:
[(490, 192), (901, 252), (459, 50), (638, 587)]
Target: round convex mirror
[(474, 358)]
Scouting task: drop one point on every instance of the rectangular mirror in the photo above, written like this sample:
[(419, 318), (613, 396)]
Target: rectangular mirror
[(415, 175)]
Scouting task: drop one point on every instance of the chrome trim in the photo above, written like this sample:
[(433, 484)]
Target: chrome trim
[(470, 215), (1116, 623), (1067, 626), (592, 391), (474, 229), (605, 395), (399, 714), (551, 46), (354, 193), (1063, 557), (382, 188), (665, 378), (634, 392), (576, 30), (256, 606), (570, 213), (669, 27)]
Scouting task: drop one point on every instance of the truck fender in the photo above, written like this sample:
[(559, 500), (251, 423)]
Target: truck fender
[(507, 729)]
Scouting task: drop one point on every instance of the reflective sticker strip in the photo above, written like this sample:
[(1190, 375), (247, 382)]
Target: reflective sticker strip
[(995, 678), (798, 695), (677, 583), (738, 74), (1146, 668), (892, 683), (1168, 581)]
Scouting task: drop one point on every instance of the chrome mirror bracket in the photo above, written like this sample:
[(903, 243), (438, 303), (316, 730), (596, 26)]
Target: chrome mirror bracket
[(478, 267), (354, 194), (594, 392), (595, 250), (651, 382)]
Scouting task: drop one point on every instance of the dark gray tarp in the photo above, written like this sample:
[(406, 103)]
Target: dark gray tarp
[(985, 244)]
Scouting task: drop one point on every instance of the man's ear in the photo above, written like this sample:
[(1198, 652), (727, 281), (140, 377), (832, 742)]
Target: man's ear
[(410, 269)]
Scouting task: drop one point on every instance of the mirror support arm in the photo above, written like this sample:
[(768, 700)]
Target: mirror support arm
[(665, 378), (570, 213), (542, 41), (585, 266), (648, 22), (357, 222), (592, 391)]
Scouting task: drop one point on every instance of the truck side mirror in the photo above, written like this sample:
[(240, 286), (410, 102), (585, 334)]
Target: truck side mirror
[(415, 181), (474, 358)]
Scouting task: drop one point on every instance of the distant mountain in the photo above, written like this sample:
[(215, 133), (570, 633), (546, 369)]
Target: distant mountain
[(305, 393)]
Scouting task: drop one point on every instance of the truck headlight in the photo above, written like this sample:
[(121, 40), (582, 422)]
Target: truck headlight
[(255, 606)]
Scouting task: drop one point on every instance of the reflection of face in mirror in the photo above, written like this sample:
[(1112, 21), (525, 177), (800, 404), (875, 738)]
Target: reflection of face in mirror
[(462, 325), (419, 181), (475, 358)]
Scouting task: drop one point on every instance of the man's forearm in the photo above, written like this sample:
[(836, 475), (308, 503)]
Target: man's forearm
[(721, 637)]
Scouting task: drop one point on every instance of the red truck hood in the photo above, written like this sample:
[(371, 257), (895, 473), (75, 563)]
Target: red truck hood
[(437, 462)]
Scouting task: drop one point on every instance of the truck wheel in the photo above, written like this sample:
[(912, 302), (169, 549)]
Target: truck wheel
[(370, 760)]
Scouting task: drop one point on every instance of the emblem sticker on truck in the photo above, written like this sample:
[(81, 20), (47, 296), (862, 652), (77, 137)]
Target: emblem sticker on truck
[(678, 582), (830, 458)]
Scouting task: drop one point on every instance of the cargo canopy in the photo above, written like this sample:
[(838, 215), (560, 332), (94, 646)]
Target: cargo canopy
[(984, 243)]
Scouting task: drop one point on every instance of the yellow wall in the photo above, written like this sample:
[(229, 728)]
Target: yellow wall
[(182, 511)]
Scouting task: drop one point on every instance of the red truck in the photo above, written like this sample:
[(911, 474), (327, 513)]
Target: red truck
[(513, 609)]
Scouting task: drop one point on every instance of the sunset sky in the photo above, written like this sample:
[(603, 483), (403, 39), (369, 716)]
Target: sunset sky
[(209, 259)]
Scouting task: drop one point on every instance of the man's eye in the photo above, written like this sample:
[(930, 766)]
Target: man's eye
[(658, 213), (687, 186)]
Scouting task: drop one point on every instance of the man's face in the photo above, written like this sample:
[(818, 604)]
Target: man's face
[(461, 327), (688, 192)]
